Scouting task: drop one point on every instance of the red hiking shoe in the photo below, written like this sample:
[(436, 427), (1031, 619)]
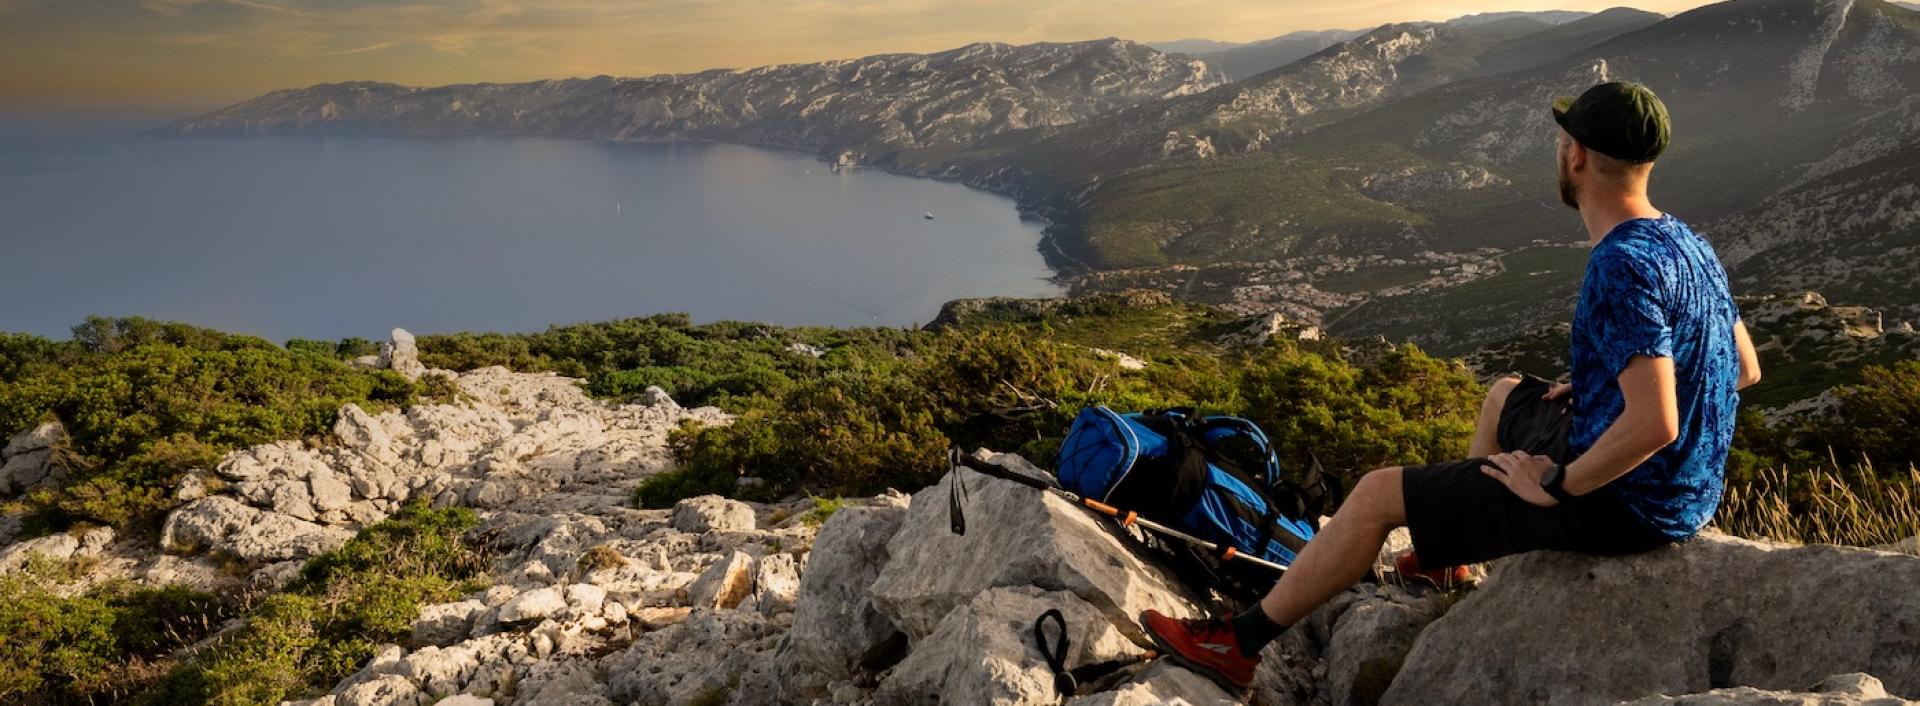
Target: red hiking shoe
[(1206, 646), (1408, 567)]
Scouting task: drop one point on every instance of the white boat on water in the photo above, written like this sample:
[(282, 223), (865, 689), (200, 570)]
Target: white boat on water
[(929, 215)]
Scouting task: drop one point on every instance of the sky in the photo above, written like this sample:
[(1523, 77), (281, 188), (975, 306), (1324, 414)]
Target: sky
[(189, 55)]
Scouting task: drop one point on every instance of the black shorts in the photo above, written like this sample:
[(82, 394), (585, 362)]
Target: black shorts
[(1459, 515)]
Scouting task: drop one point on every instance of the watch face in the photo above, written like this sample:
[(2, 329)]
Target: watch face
[(1552, 478)]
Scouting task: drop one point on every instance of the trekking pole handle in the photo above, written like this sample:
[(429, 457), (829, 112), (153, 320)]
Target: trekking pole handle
[(1100, 507)]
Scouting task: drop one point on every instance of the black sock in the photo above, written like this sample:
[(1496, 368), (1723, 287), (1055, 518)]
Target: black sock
[(1253, 630)]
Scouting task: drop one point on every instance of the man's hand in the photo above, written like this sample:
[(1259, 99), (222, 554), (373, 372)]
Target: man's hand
[(1558, 391), (1520, 472)]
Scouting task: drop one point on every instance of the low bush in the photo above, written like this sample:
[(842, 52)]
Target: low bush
[(327, 623), (96, 646)]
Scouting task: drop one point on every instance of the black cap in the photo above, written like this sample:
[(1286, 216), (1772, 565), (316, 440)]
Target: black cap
[(1624, 121)]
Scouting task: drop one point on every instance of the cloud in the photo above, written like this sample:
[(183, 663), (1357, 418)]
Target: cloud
[(170, 8), (232, 49), (361, 50)]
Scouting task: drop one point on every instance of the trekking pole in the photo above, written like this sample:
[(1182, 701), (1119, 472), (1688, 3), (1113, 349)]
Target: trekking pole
[(1127, 518)]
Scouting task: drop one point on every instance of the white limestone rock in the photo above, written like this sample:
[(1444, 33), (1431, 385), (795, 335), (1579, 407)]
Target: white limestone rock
[(1017, 536), (725, 584), (225, 525), (533, 605), (709, 513), (446, 623), (984, 651)]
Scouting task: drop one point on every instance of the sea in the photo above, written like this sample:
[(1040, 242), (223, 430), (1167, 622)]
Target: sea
[(332, 237)]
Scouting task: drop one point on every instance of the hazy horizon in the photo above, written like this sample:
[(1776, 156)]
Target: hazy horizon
[(183, 56)]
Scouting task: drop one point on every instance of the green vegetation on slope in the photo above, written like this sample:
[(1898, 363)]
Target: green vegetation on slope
[(326, 624), (144, 401), (115, 643)]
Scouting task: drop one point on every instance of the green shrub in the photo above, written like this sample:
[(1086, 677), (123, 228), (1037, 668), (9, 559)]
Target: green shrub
[(1405, 407), (328, 622), (92, 646)]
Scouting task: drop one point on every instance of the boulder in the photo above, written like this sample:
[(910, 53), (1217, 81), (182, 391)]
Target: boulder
[(985, 651), (1017, 536), (725, 584), (1710, 613), (27, 459), (653, 396), (401, 354), (586, 598), (226, 525), (1162, 682), (835, 624), (1371, 639), (776, 580), (1841, 690), (710, 513), (533, 605)]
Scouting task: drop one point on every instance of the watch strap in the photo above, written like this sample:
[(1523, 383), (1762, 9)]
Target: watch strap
[(1556, 488)]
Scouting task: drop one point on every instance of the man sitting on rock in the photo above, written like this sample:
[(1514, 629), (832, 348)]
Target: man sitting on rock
[(1628, 457)]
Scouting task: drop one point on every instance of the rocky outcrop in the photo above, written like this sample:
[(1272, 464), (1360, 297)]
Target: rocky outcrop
[(225, 526), (55, 547), (1022, 538), (513, 439), (985, 652), (27, 459), (1713, 612), (837, 632)]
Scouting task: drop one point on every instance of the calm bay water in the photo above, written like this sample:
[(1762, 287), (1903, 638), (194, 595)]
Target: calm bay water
[(334, 237)]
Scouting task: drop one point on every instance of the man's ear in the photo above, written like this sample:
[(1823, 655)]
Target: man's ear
[(1576, 156)]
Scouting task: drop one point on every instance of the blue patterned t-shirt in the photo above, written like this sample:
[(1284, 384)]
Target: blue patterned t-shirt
[(1654, 288)]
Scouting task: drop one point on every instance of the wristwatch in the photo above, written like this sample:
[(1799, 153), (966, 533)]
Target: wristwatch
[(1551, 483)]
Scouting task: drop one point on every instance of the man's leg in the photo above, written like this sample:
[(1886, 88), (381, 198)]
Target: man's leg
[(1228, 650), (1486, 439), (1343, 551)]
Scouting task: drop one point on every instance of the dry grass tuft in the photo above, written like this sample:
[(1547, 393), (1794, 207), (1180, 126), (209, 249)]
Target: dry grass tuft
[(1855, 507)]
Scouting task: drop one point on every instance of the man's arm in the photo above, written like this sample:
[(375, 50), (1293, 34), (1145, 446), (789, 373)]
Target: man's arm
[(1749, 360), (1650, 421)]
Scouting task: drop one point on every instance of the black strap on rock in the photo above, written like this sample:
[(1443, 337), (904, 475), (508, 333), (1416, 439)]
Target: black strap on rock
[(1056, 654), (1066, 681)]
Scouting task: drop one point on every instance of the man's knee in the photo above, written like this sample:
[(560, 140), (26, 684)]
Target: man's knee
[(1498, 391), (1378, 496)]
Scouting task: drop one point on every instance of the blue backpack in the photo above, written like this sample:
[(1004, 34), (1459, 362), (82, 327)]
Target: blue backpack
[(1213, 476)]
